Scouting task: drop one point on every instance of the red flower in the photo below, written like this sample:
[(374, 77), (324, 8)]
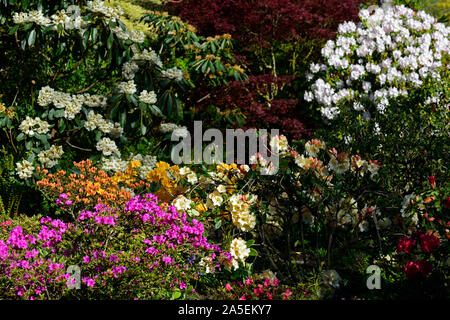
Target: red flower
[(429, 242), (406, 245), (432, 180), (418, 269)]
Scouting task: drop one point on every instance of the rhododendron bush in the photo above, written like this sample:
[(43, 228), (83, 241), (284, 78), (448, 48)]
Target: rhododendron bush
[(95, 205), (148, 250), (391, 68)]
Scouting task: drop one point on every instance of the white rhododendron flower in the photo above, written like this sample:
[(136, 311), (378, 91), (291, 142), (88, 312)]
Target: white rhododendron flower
[(49, 158), (46, 95), (107, 146), (184, 171), (239, 206), (148, 97), (221, 188), (167, 127), (24, 169), (72, 109), (181, 132), (172, 73), (129, 68), (192, 178), (30, 126), (147, 55), (128, 87), (113, 164), (378, 60)]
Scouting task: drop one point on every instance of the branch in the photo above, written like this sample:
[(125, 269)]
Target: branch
[(88, 88), (79, 148)]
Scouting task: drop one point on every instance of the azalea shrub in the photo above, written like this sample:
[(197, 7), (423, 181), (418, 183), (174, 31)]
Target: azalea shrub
[(88, 187), (146, 250), (260, 288)]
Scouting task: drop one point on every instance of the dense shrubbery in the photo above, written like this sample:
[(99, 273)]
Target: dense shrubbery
[(89, 106), (276, 40), (145, 250)]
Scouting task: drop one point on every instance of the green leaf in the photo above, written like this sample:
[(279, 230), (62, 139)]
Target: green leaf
[(132, 99), (143, 129), (86, 38), (61, 125), (122, 25), (51, 114), (32, 37), (59, 113), (115, 98), (109, 42), (204, 66), (250, 242), (94, 34), (218, 223), (21, 136), (155, 110), (12, 30), (253, 252), (123, 118), (176, 294)]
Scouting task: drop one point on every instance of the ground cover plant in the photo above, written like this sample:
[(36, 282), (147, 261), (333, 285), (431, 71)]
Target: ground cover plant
[(350, 199)]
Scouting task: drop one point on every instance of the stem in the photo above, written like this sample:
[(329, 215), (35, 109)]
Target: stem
[(330, 241)]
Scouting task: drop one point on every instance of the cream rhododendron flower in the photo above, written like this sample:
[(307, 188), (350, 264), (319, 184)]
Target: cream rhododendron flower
[(279, 144), (182, 203), (239, 250)]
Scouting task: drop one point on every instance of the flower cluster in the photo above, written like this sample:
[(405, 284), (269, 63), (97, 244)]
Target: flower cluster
[(418, 269), (167, 177), (239, 251), (107, 147), (49, 158), (30, 126), (27, 271), (378, 60), (159, 240), (24, 169), (239, 206), (262, 286), (427, 242), (88, 187)]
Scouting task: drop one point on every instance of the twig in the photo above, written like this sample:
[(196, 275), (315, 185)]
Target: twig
[(205, 97), (79, 148), (87, 89), (15, 98), (12, 141)]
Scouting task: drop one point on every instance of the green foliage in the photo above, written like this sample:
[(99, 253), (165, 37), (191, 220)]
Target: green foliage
[(10, 191)]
